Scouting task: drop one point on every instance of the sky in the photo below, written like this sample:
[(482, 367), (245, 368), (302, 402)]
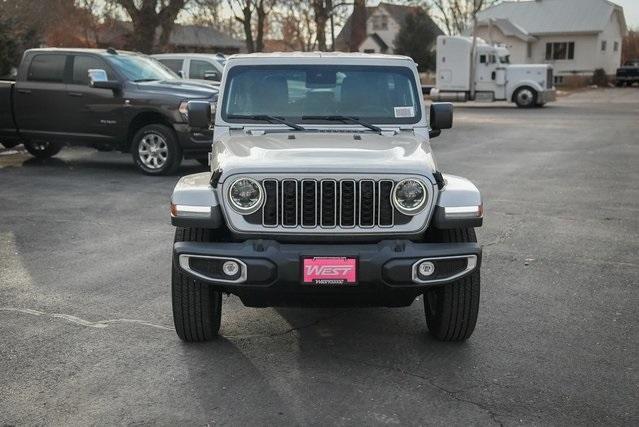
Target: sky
[(631, 11)]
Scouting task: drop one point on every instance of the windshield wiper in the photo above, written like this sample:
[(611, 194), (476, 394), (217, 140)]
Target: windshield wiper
[(345, 119), (266, 118)]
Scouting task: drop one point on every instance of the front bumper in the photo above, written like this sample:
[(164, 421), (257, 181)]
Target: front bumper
[(547, 96), (271, 271)]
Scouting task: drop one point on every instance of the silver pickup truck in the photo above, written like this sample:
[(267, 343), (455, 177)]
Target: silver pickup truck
[(323, 191)]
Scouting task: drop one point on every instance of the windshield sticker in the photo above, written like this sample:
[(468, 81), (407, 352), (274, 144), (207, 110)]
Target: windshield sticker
[(401, 112)]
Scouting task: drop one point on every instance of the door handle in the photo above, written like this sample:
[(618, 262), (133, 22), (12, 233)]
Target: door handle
[(25, 91), (78, 94)]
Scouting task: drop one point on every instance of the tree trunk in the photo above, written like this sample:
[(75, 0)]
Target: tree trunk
[(321, 18), (261, 21), (358, 25), (145, 22)]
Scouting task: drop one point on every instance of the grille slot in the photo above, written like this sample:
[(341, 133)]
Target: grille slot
[(270, 211), (309, 203), (385, 211), (289, 203), (348, 212), (367, 203), (329, 203)]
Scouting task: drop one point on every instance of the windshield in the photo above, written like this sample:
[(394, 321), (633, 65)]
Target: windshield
[(314, 93), (141, 68)]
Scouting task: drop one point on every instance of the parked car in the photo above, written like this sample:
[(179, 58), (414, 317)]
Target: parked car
[(111, 100), (194, 66), (628, 74), (323, 190)]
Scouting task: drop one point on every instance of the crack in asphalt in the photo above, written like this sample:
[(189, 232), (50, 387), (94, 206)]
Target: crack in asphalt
[(100, 324), (451, 394)]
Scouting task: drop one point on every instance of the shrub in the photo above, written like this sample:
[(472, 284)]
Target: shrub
[(599, 77)]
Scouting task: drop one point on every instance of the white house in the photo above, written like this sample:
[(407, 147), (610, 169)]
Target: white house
[(383, 22), (575, 36)]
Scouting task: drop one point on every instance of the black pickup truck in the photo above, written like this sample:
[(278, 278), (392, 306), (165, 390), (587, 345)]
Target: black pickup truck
[(628, 73), (111, 100)]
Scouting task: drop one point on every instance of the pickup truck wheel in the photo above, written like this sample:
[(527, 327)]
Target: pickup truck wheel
[(42, 149), (451, 310), (525, 97), (197, 308), (156, 151)]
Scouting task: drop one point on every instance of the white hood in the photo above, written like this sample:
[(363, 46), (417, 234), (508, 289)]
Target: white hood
[(319, 152)]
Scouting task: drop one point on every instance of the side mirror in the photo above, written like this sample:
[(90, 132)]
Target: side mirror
[(441, 117), (180, 73), (98, 79), (200, 114)]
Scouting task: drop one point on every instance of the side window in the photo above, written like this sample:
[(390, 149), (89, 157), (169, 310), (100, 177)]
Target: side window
[(174, 65), (203, 70), (482, 59), (81, 66), (47, 68)]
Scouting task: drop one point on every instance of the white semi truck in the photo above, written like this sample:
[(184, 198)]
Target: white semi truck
[(487, 74)]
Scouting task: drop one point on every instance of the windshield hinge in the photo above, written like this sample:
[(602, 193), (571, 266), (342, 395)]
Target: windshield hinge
[(389, 132)]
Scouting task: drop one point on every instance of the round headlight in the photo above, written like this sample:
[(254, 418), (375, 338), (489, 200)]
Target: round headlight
[(409, 196), (245, 195)]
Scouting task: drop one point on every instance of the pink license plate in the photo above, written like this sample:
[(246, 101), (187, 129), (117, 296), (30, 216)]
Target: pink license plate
[(329, 271)]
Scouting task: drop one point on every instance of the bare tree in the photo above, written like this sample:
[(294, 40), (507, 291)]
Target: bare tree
[(253, 14), (295, 23), (457, 15), (149, 15)]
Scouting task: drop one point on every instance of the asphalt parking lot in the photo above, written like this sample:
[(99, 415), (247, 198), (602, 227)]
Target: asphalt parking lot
[(86, 332)]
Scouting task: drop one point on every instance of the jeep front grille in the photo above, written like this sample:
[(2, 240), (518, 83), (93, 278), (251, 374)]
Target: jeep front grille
[(329, 203)]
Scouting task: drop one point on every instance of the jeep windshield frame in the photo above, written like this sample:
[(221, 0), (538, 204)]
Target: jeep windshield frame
[(314, 93)]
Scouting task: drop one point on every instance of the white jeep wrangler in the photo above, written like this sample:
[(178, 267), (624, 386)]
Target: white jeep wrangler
[(323, 191)]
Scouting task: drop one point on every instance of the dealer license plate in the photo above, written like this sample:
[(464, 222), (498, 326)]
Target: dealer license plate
[(329, 271)]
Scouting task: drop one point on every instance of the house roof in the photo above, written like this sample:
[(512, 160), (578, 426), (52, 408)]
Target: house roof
[(507, 28), (192, 35), (181, 35), (380, 42), (556, 16), (396, 11)]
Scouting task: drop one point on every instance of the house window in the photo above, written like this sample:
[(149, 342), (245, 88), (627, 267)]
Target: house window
[(482, 59), (380, 22), (559, 80), (615, 46), (558, 51), (603, 45), (369, 50)]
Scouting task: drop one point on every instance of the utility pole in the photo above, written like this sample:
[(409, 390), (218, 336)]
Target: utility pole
[(476, 6)]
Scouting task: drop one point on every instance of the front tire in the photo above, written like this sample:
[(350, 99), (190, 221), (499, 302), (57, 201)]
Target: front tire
[(42, 149), (197, 308), (156, 150), (451, 309), (525, 97)]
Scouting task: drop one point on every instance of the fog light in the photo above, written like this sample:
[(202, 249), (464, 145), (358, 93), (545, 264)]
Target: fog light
[(231, 268), (426, 268)]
